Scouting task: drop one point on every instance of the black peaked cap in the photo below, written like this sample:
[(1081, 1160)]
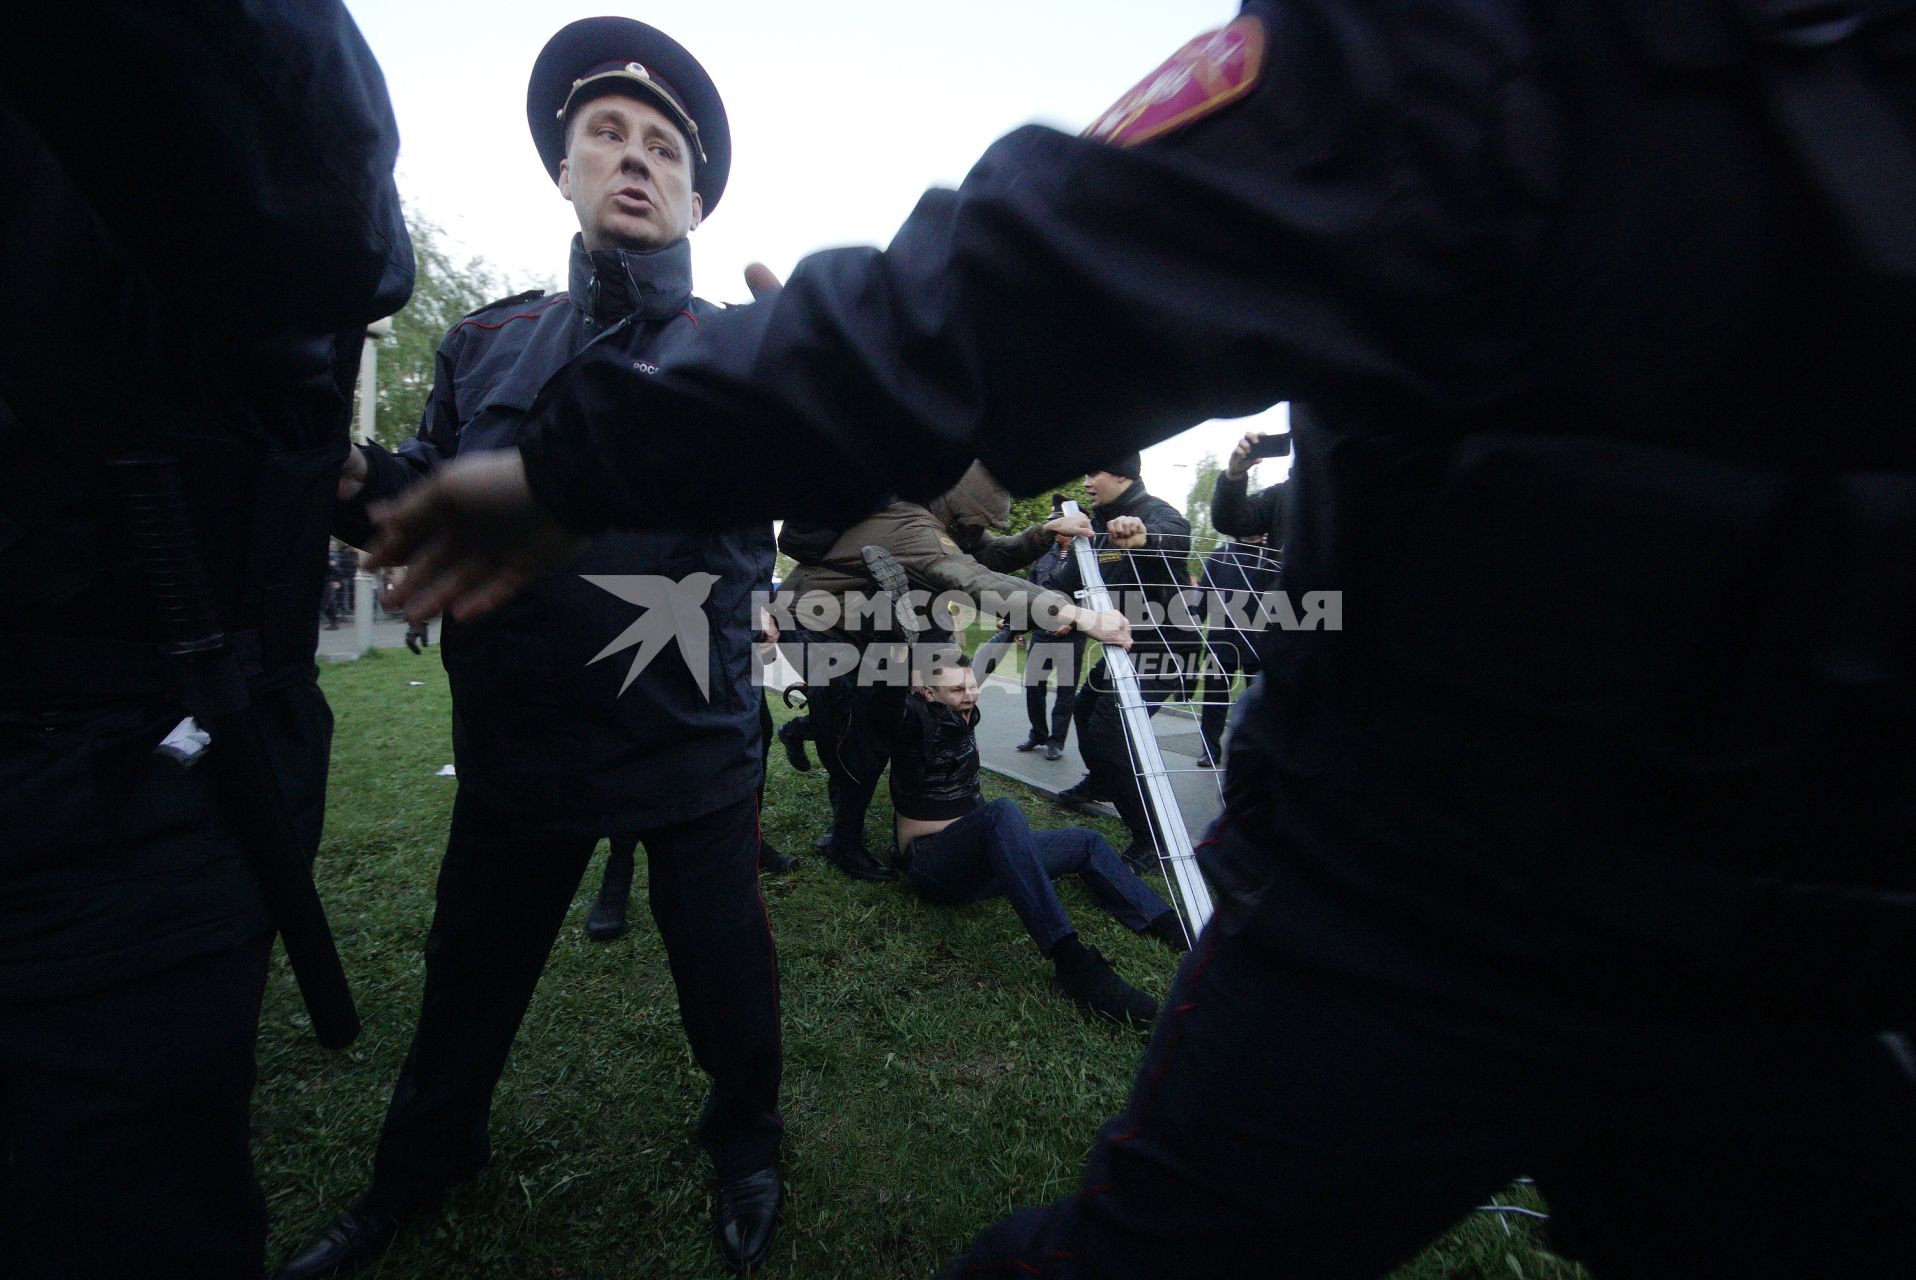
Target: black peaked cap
[(672, 79)]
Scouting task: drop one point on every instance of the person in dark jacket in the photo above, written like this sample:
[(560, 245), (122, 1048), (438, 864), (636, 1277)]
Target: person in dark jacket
[(575, 714), (1244, 569), (1053, 659), (1233, 583), (1237, 512), (953, 847), (1561, 855), (946, 545), (193, 255), (1142, 544)]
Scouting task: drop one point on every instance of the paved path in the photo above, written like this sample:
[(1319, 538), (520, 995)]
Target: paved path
[(1003, 726), (342, 645)]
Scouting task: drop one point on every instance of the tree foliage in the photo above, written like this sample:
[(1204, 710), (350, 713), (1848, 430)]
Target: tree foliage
[(1036, 509), (1197, 510), (443, 292)]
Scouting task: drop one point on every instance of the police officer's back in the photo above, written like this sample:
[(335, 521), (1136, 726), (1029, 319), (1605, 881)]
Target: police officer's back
[(1602, 308), (190, 254)]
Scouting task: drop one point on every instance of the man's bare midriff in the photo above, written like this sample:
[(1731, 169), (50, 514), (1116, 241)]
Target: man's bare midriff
[(905, 830)]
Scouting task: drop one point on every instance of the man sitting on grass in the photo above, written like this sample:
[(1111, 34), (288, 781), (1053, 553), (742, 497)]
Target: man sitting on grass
[(952, 847)]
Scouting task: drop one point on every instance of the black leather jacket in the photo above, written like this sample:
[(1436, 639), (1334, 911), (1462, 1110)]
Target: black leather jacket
[(934, 763)]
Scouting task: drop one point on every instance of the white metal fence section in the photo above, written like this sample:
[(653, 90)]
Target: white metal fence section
[(1175, 852)]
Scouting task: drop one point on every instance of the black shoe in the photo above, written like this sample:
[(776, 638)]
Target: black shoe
[(891, 580), (1052, 751), (1088, 981), (606, 920), (1031, 743), (1141, 855), (745, 1217), (1169, 930), (855, 861), (791, 736), (357, 1238), (775, 860), (1081, 796)]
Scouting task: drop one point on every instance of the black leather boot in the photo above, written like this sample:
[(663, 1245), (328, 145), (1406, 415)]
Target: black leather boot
[(745, 1217), (606, 920), (855, 860)]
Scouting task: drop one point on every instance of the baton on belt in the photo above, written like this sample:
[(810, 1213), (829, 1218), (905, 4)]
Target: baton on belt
[(214, 689)]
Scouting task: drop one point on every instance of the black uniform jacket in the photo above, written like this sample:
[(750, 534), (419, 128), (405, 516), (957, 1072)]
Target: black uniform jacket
[(934, 761), (1610, 384), (1242, 514), (547, 731), (198, 292)]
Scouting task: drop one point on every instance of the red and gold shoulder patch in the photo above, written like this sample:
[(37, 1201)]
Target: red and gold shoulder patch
[(1209, 73)]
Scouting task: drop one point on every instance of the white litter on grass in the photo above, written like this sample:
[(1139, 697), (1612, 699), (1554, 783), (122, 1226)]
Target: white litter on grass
[(415, 683), (445, 771)]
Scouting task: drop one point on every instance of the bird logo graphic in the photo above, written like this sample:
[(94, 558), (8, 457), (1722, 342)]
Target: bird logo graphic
[(674, 612)]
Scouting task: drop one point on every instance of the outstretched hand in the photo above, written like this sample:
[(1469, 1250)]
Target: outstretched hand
[(1077, 525), (472, 536)]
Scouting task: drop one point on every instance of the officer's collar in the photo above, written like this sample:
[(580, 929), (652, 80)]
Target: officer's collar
[(650, 284)]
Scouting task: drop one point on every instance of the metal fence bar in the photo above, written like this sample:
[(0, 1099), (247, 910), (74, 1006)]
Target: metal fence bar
[(1193, 896)]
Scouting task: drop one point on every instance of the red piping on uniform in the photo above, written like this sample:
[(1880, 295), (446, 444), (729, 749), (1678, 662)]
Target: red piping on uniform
[(758, 833), (523, 315), (689, 316)]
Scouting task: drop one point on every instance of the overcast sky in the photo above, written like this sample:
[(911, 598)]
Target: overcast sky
[(842, 113)]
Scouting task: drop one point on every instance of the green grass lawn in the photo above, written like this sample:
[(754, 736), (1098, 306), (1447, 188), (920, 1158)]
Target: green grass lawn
[(931, 1080)]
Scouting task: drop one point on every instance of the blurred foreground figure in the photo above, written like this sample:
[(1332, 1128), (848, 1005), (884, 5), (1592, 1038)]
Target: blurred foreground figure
[(193, 235), (1587, 847)]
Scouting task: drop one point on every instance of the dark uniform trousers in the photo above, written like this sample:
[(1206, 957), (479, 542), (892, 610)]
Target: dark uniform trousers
[(128, 1106), (854, 744), (1223, 659), (854, 724), (1061, 658), (1102, 741), (501, 901), (1285, 1122)]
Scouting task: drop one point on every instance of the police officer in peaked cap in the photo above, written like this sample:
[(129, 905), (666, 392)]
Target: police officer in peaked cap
[(563, 732)]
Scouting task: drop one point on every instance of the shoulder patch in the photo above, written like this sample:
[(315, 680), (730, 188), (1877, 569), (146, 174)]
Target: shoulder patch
[(1209, 73)]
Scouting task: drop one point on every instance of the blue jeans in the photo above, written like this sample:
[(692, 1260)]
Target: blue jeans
[(992, 852)]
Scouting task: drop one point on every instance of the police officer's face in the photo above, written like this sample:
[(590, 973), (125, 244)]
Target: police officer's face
[(628, 173)]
